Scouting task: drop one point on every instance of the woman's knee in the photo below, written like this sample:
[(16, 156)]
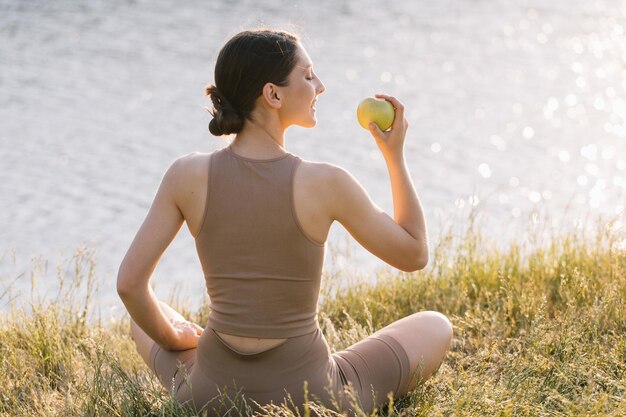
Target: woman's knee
[(439, 327), (429, 330), (425, 337)]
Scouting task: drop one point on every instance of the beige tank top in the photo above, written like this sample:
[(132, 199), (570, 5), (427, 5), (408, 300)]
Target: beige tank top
[(262, 272)]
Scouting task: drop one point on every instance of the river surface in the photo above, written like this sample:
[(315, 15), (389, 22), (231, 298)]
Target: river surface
[(516, 112)]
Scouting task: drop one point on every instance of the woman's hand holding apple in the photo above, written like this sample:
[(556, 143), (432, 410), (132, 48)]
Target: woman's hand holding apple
[(391, 142)]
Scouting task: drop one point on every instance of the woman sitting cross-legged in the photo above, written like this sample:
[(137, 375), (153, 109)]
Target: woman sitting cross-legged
[(260, 216)]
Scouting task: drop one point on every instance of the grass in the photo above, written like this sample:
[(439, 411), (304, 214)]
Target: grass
[(540, 330)]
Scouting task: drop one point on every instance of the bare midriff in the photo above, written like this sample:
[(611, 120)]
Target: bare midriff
[(249, 345)]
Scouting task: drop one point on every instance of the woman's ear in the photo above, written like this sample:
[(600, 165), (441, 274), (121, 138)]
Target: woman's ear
[(271, 95)]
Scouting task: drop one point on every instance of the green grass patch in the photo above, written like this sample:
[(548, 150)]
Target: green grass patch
[(540, 329)]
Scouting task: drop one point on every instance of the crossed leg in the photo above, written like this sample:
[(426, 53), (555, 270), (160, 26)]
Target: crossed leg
[(426, 338)]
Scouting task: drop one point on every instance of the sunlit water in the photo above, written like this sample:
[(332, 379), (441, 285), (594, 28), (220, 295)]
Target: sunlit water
[(516, 110)]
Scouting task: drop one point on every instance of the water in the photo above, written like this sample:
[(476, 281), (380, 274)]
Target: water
[(516, 109)]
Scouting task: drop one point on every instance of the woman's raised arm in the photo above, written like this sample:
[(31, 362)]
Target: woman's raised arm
[(402, 241)]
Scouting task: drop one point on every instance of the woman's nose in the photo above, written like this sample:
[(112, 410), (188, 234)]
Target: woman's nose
[(320, 87)]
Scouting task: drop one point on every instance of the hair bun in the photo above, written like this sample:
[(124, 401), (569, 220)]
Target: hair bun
[(226, 119)]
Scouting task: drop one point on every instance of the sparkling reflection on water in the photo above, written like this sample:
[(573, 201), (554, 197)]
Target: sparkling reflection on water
[(516, 110)]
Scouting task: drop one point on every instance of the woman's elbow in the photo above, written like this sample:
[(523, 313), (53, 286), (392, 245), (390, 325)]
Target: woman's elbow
[(122, 287), (422, 262), (415, 265), (125, 284), (419, 260)]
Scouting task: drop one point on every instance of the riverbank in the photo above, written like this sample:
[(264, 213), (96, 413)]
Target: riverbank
[(540, 329)]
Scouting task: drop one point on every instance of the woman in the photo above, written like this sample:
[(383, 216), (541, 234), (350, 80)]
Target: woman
[(260, 216)]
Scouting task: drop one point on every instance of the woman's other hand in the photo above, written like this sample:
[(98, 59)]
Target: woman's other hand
[(187, 335)]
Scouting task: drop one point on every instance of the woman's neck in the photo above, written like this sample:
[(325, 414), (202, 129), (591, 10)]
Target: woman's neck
[(260, 140)]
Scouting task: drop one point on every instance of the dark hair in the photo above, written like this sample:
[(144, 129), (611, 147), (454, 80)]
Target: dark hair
[(248, 61)]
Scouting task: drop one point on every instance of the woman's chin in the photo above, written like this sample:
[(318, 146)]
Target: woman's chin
[(309, 123)]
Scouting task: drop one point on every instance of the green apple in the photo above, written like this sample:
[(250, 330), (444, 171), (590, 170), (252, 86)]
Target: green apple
[(375, 110)]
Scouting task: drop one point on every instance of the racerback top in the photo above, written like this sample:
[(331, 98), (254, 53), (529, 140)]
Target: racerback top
[(262, 272)]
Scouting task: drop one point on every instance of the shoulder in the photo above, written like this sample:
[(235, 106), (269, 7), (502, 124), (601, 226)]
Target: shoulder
[(331, 183), (190, 162), (323, 172), (185, 174), (189, 166)]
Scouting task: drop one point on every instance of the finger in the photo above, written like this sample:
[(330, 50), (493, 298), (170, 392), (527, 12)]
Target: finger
[(375, 131), (178, 324), (192, 332), (197, 332), (398, 108), (381, 95), (184, 325), (397, 104)]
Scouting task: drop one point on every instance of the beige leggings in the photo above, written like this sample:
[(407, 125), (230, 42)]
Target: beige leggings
[(209, 376)]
